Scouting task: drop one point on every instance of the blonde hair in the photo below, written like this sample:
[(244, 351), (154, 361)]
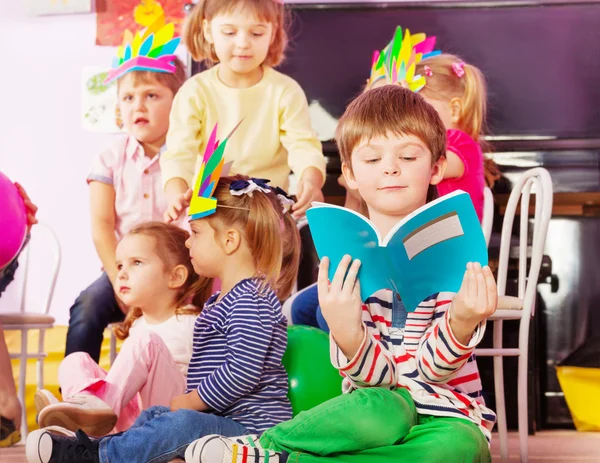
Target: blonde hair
[(444, 84), (259, 221), (169, 242), (390, 109), (171, 80), (269, 11)]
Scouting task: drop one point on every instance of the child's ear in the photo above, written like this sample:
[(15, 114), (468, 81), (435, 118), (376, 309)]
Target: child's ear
[(231, 241), (179, 276), (206, 31), (439, 168), (349, 176), (456, 106)]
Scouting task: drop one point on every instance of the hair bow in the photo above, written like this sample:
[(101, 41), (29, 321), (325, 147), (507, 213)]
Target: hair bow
[(248, 187), (459, 69), (284, 199)]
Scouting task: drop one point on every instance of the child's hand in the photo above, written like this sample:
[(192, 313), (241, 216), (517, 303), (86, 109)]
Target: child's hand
[(31, 208), (178, 206), (475, 301), (307, 191), (341, 304), (189, 401)]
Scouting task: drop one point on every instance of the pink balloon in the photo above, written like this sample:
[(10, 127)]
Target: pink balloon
[(13, 221)]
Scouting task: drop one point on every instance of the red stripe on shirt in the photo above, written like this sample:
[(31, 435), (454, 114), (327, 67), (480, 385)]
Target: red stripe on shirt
[(462, 398), (403, 358), (380, 319), (464, 379), (374, 362), (451, 362), (424, 360)]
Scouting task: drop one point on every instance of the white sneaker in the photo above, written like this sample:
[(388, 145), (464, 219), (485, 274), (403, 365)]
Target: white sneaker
[(43, 398), (81, 411), (215, 449)]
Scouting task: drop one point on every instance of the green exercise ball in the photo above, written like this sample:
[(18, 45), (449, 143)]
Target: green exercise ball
[(312, 378)]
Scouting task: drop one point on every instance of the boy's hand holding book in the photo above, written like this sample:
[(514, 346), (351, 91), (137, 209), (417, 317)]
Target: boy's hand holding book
[(476, 300), (341, 304)]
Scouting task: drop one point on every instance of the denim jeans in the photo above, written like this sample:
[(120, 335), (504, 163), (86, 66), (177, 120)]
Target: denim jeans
[(306, 310), (159, 435), (94, 309)]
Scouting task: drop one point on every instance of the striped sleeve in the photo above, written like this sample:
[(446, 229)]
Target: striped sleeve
[(249, 336), (440, 354), (373, 364)]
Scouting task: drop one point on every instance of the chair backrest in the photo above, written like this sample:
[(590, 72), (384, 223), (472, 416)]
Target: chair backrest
[(39, 264), (488, 214), (538, 180)]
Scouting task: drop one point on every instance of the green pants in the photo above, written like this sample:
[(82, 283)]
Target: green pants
[(376, 425)]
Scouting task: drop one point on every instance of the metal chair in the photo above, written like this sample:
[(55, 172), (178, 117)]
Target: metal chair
[(25, 319), (521, 307)]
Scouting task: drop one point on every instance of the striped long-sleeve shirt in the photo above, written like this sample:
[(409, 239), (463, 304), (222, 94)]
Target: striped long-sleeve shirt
[(236, 366), (419, 352)]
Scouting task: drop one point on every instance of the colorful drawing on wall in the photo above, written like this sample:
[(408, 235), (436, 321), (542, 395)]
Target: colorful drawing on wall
[(115, 16), (98, 101), (45, 7)]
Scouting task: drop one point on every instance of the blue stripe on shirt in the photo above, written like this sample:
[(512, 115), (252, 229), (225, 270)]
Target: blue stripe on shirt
[(236, 367)]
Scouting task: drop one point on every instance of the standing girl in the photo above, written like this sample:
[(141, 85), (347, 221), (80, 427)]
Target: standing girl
[(156, 279), (246, 39)]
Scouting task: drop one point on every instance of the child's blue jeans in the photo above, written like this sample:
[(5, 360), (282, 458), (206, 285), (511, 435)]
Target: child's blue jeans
[(94, 309), (306, 309), (159, 435)]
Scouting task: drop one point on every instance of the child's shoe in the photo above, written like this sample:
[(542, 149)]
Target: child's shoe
[(43, 398), (219, 449), (9, 434), (56, 445), (82, 411)]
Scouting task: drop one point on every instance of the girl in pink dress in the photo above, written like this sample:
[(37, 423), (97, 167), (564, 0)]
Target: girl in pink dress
[(156, 279)]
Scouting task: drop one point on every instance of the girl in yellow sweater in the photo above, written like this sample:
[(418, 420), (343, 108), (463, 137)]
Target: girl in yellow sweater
[(244, 39)]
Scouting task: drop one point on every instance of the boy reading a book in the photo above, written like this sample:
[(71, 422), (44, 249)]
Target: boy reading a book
[(412, 388)]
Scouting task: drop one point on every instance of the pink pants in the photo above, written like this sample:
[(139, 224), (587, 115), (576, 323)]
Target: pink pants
[(144, 374)]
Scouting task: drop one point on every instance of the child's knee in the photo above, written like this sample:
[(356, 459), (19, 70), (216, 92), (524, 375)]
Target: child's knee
[(464, 444), (370, 402), (76, 361)]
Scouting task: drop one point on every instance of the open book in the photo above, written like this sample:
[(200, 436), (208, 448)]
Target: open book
[(425, 253)]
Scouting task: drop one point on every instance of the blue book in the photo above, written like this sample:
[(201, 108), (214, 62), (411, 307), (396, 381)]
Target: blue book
[(425, 253)]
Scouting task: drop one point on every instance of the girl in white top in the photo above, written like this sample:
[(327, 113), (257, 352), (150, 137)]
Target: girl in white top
[(156, 279)]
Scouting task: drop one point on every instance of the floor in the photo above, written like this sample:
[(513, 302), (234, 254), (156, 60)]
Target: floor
[(546, 446)]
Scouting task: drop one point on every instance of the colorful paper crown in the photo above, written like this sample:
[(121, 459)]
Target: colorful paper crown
[(202, 203), (398, 60), (150, 50)]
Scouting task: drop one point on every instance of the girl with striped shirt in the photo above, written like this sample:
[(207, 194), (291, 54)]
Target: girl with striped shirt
[(236, 383)]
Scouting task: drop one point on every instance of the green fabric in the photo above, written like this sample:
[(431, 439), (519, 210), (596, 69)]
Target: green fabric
[(376, 425)]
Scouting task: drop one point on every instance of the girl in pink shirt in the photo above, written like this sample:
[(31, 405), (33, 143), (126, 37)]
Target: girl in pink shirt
[(156, 278), (457, 91)]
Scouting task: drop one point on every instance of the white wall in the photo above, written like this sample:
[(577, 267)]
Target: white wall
[(42, 144)]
